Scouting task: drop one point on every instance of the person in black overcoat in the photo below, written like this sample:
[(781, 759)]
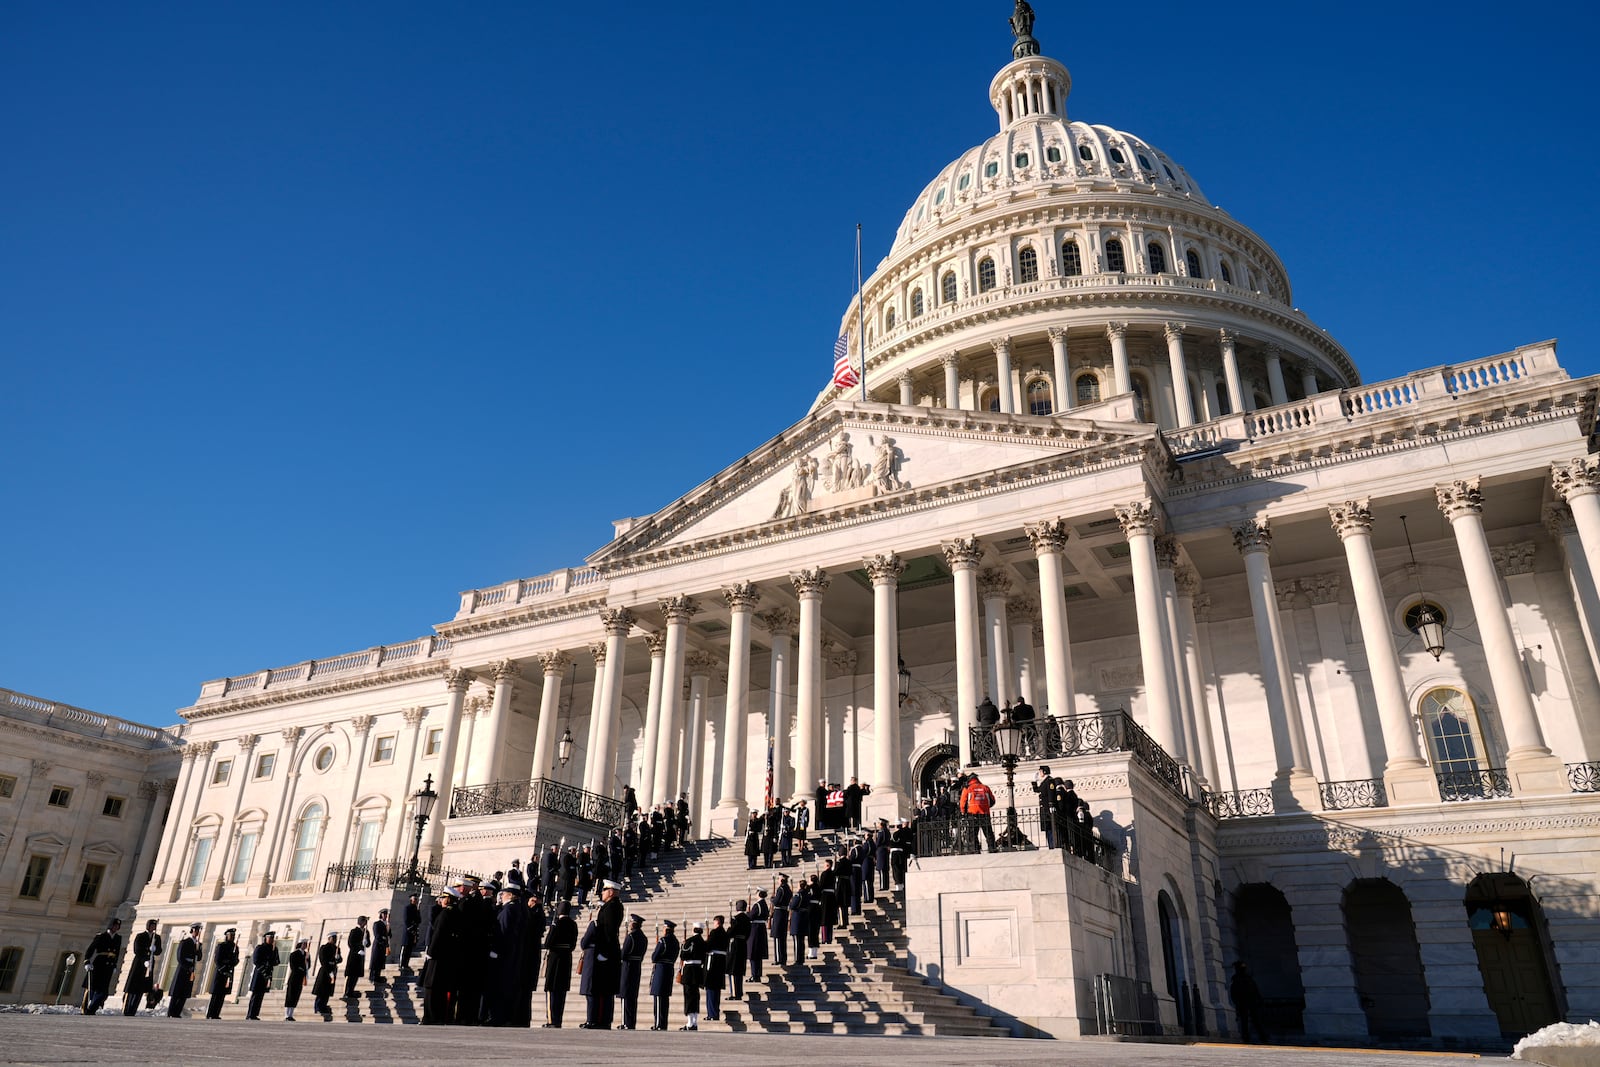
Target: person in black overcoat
[(880, 851), (441, 975), (299, 965), (477, 930), (379, 956), (587, 943), (505, 960), (224, 960), (355, 960), (752, 843), (828, 885), (717, 941), (558, 946), (142, 973), (782, 898), (663, 965), (413, 934), (738, 941), (760, 921), (549, 871), (608, 955), (328, 960), (799, 919), (692, 963), (189, 951), (263, 961), (813, 920), (569, 876), (533, 929), (634, 947), (100, 966)]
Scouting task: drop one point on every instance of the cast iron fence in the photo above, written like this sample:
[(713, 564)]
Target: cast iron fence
[(1474, 785), (1243, 804), (1058, 737), (541, 794), (1357, 793), (388, 874), (964, 835), (1584, 777)]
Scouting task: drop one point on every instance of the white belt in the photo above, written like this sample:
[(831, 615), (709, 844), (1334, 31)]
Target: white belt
[(719, 952), (691, 963)]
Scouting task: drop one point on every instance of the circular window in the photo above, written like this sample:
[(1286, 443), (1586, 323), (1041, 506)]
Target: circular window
[(324, 758), (1021, 159), (1413, 618), (966, 180), (1052, 155)]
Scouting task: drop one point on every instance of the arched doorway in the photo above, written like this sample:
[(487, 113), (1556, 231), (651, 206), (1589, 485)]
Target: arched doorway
[(1264, 932), (1386, 959), (1509, 936), (937, 771), (1175, 962)]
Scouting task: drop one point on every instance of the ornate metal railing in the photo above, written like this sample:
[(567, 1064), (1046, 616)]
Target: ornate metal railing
[(1083, 735), (541, 794), (1356, 793), (965, 836), (1584, 777), (1243, 804), (1474, 785), (356, 877)]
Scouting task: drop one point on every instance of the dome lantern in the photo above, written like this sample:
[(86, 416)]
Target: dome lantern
[(1031, 86)]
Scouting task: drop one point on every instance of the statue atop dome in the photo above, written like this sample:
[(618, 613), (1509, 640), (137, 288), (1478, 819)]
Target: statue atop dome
[(1022, 30)]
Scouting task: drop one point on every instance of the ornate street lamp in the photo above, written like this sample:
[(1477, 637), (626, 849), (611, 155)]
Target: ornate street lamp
[(564, 746), (905, 682), (423, 801), (1008, 745), (1428, 623)]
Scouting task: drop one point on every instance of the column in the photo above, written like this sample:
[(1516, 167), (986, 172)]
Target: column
[(907, 388), (994, 585), (464, 769), (1117, 334), (657, 640), (1138, 521), (362, 725), (809, 585), (1002, 359), (172, 842), (699, 665), (885, 571), (1187, 584), (1049, 540), (156, 795), (780, 622), (1280, 395), (1166, 547), (1023, 616), (1208, 391), (1063, 375), (963, 555), (1308, 380), (1293, 786), (1237, 400), (733, 807), (456, 682), (1529, 764), (1564, 531), (1180, 374), (597, 697), (291, 765), (1577, 482), (204, 751), (952, 380), (601, 769), (555, 666), (505, 679), (678, 611), (1407, 778)]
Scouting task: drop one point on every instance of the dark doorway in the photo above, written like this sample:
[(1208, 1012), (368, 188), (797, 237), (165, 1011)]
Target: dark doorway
[(1509, 935), (940, 768), (1264, 931), (1386, 959)]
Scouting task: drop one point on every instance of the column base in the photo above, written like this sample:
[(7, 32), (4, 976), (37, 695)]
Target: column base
[(730, 819), (1411, 785), (884, 803), (1536, 774), (1295, 791)]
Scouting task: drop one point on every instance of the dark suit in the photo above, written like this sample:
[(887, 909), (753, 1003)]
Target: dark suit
[(142, 974), (662, 959)]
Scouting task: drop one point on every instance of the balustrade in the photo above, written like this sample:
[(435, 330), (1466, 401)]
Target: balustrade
[(1241, 804), (1060, 737), (1584, 777), (541, 794), (1356, 793), (1474, 785)]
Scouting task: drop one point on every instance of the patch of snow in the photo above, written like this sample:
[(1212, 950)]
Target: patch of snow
[(1561, 1035)]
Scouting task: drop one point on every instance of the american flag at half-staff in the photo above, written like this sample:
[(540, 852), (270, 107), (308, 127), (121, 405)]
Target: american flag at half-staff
[(768, 805), (844, 372)]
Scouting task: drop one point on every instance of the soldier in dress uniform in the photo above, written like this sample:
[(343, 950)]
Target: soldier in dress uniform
[(738, 941), (756, 943), (634, 947), (263, 961), (299, 965), (355, 960), (505, 960), (558, 946), (100, 966), (717, 941), (413, 934), (692, 974), (183, 978), (663, 961), (782, 896), (328, 958), (441, 975), (380, 948), (533, 929), (142, 974), (224, 959)]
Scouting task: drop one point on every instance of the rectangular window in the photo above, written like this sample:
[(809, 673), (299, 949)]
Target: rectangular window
[(383, 749), (367, 843), (89, 888), (60, 796), (435, 741), (113, 807), (10, 967), (220, 773), (8, 788), (265, 764), (33, 878), (243, 858), (202, 857)]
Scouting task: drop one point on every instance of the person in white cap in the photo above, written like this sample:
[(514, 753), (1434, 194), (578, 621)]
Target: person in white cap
[(693, 975), (607, 956)]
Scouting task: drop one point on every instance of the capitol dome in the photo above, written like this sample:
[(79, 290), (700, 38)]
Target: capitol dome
[(1061, 264)]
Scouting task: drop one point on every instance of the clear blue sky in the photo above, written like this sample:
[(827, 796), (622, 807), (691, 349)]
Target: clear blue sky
[(314, 315)]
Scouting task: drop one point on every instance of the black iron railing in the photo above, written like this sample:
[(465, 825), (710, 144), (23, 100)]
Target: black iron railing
[(1584, 777), (1058, 737), (1356, 793), (966, 836), (1243, 804), (541, 794), (357, 877), (1474, 785)]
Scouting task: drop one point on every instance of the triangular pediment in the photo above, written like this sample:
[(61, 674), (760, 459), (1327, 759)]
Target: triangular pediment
[(848, 458)]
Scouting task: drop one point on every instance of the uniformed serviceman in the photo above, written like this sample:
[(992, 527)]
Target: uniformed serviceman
[(634, 947), (663, 961), (141, 974), (224, 959), (558, 946), (263, 961), (100, 966), (756, 947)]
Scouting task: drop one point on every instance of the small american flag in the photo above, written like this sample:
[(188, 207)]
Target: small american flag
[(769, 773), (844, 373)]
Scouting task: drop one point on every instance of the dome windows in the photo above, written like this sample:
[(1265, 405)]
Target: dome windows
[(1227, 275), (1021, 160), (964, 183), (1192, 258), (1027, 265), (1117, 157), (985, 274), (1170, 176), (1087, 387), (947, 288), (991, 168), (888, 319), (1039, 397), (1143, 162), (916, 303), (1158, 258), (938, 197), (1071, 260), (1086, 153), (1116, 263), (1052, 154)]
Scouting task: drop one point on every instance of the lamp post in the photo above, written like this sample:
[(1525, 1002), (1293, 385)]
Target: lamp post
[(424, 799), (66, 975), (1008, 745)]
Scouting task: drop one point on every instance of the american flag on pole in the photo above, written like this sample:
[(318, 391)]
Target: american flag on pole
[(844, 372), (768, 805)]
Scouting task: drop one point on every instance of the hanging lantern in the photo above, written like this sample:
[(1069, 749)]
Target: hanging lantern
[(905, 681), (1430, 627), (564, 746)]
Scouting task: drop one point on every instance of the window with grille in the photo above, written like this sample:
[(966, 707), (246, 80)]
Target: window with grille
[(435, 741), (266, 763), (1158, 258), (1027, 265), (8, 786), (947, 287), (222, 772), (244, 856), (1227, 275), (1193, 259), (305, 843), (10, 967), (1452, 726), (367, 841), (1039, 397), (89, 889), (1071, 259), (60, 796), (112, 808), (383, 749), (199, 861), (985, 275), (1088, 387), (916, 303), (1116, 263)]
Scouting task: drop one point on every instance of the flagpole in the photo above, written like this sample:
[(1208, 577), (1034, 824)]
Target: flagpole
[(861, 316)]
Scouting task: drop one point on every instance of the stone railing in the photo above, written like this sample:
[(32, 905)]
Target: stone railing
[(1356, 793), (1485, 784), (367, 660), (80, 721), (1584, 777), (541, 794), (550, 586), (1084, 735)]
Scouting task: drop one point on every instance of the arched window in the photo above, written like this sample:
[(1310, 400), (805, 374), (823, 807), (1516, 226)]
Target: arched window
[(1141, 398), (1115, 263), (1039, 397), (1088, 389), (1158, 258), (1227, 275), (1086, 153), (947, 288), (1192, 258), (991, 400), (1052, 154), (1027, 265), (305, 843), (985, 274), (1071, 260), (1451, 723), (916, 303), (888, 319)]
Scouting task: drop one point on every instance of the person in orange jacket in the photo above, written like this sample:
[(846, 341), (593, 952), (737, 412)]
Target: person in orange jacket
[(976, 800)]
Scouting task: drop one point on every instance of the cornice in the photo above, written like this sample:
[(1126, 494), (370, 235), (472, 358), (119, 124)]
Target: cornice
[(521, 615), (273, 698), (151, 753), (1346, 836)]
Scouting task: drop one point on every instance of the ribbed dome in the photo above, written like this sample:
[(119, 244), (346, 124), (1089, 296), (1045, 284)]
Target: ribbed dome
[(1041, 156)]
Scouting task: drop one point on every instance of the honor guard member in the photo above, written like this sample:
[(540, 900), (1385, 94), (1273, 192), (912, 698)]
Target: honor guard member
[(263, 961), (880, 852), (608, 954), (634, 946), (142, 972), (183, 978), (380, 948), (799, 920), (533, 930), (224, 960), (559, 944), (355, 960), (100, 965), (328, 959), (738, 942), (782, 897), (299, 966), (413, 934), (663, 961), (505, 960), (441, 975), (692, 974), (717, 942), (756, 944)]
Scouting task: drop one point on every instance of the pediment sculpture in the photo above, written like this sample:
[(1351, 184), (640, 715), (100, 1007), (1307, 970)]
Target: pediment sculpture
[(840, 478)]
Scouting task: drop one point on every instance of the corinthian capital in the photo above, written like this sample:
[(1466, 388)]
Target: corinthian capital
[(1576, 477), (555, 662), (1047, 536), (780, 622), (1252, 535), (994, 582), (1558, 520), (616, 621), (742, 596), (679, 608), (204, 748), (811, 582), (1513, 559), (1351, 517), (292, 734), (1173, 331), (1460, 497), (1138, 517), (1187, 580), (1116, 330), (657, 640), (1057, 334), (505, 670), (248, 741), (413, 716), (1227, 337), (699, 663), (456, 679), (884, 569), (1001, 345), (363, 723), (963, 553)]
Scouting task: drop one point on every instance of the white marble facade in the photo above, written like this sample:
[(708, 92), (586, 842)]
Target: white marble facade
[(1102, 461)]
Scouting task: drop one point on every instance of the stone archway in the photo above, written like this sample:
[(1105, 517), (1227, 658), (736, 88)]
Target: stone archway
[(1509, 935), (1386, 959), (936, 771), (1264, 930)]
